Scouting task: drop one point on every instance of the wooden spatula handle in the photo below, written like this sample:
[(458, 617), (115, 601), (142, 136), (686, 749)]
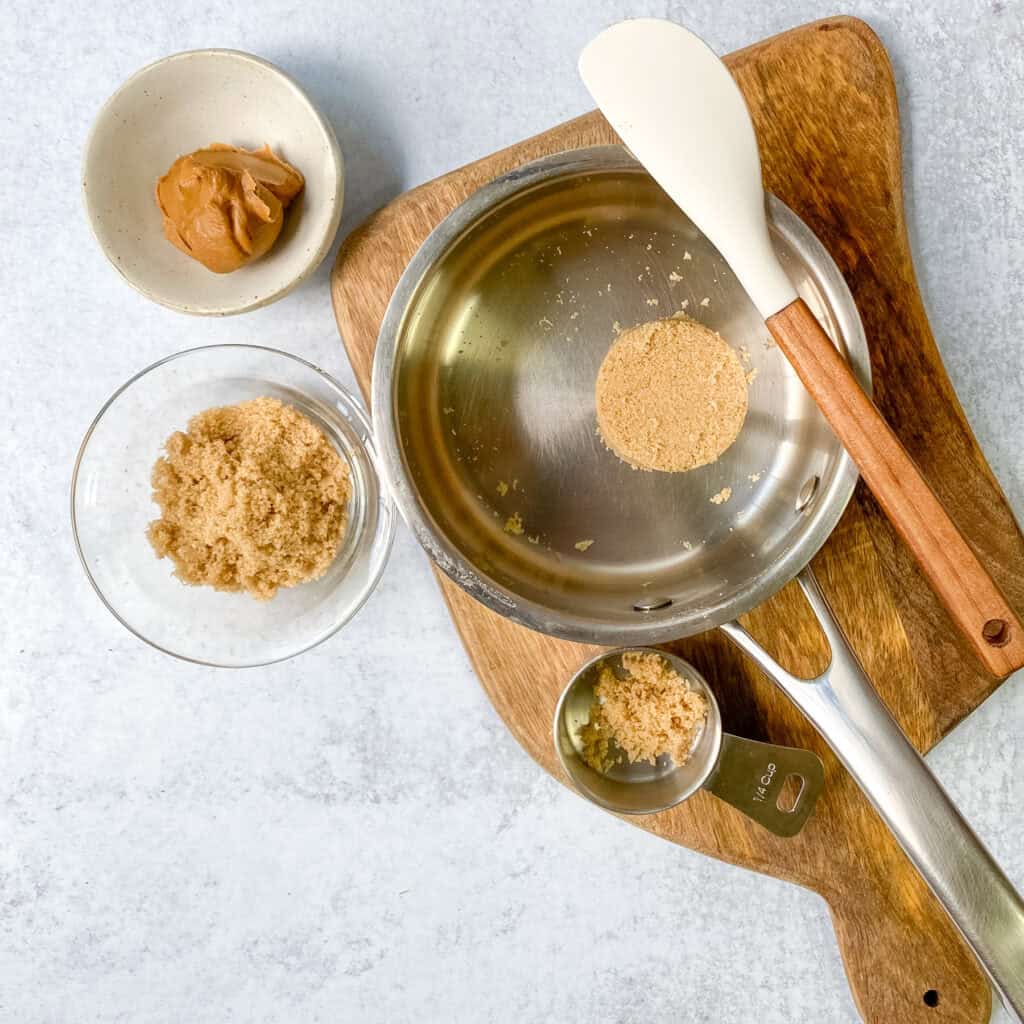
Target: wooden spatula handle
[(961, 582)]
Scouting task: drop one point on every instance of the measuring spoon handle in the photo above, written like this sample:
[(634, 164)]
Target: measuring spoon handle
[(750, 775), (961, 582), (970, 885)]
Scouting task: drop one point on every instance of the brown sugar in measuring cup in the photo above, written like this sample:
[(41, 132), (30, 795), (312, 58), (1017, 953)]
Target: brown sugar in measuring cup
[(753, 777)]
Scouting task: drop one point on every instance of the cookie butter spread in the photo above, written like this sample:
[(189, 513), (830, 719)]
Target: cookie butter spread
[(224, 206)]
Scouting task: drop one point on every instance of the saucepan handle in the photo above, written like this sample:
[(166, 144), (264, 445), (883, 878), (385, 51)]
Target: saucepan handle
[(970, 885)]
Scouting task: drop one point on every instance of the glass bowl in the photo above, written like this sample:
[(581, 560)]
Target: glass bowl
[(112, 505)]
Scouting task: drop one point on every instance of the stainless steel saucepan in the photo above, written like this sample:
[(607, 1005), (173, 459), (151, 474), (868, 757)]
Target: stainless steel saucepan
[(483, 407)]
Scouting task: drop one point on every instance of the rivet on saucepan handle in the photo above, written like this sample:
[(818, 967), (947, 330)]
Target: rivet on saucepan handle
[(807, 492)]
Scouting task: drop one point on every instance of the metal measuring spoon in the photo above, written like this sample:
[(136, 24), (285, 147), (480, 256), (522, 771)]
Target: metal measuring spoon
[(745, 773)]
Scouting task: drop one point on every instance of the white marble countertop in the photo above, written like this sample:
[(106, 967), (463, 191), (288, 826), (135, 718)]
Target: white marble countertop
[(290, 843)]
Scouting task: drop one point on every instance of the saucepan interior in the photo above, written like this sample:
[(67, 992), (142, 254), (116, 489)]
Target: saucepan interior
[(483, 405)]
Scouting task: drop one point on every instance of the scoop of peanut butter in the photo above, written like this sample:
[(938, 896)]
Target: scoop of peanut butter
[(225, 206)]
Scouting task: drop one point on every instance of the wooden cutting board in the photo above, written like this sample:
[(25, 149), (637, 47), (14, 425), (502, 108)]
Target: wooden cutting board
[(824, 107)]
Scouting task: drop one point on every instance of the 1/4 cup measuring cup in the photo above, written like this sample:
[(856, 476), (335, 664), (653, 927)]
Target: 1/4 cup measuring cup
[(750, 775)]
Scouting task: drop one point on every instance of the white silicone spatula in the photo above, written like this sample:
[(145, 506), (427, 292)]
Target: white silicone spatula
[(675, 105)]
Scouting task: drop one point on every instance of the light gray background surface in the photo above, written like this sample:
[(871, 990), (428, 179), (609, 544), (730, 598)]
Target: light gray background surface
[(353, 836)]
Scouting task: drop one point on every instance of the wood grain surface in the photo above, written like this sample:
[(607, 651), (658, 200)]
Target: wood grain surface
[(824, 108)]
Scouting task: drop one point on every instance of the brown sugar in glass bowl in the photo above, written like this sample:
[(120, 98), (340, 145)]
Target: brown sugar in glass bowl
[(252, 497), (112, 507)]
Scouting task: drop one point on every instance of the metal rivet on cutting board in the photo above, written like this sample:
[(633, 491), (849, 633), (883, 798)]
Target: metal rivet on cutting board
[(807, 492), (652, 604)]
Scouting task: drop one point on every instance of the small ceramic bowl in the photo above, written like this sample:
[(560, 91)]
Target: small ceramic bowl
[(112, 506), (178, 105)]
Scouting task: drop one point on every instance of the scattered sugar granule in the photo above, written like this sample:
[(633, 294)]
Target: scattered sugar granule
[(515, 483), (674, 277), (502, 488), (752, 375), (744, 353), (545, 322), (575, 313), (687, 545), (535, 539), (754, 477), (705, 301), (687, 256), (652, 302), (449, 410), (716, 499), (648, 247), (616, 326), (514, 524), (582, 545)]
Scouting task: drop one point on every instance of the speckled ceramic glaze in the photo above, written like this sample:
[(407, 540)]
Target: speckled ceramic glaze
[(178, 105)]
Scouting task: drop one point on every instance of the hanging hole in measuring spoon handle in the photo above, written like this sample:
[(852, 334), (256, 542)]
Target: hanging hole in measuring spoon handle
[(775, 786)]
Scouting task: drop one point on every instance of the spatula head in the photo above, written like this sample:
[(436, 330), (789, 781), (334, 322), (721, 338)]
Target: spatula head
[(675, 105)]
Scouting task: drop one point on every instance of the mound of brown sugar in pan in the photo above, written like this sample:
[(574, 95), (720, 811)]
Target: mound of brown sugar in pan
[(252, 497), (671, 395), (651, 712)]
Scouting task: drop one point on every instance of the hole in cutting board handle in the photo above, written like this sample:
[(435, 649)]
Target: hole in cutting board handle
[(790, 793), (996, 632), (931, 998)]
